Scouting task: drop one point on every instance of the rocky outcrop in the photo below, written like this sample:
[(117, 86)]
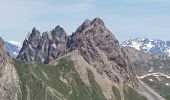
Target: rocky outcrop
[(101, 49), (53, 44), (42, 49), (9, 82), (28, 51)]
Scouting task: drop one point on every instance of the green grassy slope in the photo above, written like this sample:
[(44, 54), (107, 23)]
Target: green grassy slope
[(48, 82)]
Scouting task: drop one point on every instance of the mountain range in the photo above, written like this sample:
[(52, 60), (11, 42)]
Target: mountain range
[(152, 46), (89, 64)]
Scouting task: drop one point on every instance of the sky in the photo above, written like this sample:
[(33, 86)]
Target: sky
[(126, 19)]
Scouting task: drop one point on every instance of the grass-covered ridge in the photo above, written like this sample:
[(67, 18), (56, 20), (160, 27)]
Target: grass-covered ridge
[(60, 82)]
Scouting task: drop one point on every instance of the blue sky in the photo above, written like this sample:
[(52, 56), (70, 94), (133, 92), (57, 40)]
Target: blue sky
[(125, 18)]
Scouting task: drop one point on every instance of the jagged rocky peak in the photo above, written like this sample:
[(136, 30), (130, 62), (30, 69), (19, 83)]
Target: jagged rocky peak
[(98, 21), (101, 49), (59, 30), (87, 23), (54, 46), (40, 49), (35, 31), (32, 39), (30, 44), (94, 30), (59, 34), (35, 34)]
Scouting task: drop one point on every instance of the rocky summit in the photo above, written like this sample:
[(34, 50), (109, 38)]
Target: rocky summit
[(87, 65), (41, 49), (99, 48)]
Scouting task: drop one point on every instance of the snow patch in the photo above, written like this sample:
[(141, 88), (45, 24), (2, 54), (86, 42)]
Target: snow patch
[(152, 46), (15, 53), (151, 80), (157, 75), (148, 46), (167, 84), (54, 46), (135, 45)]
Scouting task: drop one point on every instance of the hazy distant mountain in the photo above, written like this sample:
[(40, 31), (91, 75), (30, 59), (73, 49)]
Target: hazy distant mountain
[(13, 48), (149, 46)]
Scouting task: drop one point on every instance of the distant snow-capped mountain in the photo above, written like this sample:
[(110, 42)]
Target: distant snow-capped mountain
[(13, 47), (18, 44), (149, 46)]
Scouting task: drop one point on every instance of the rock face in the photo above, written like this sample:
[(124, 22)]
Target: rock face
[(9, 82), (30, 44), (100, 48), (42, 49), (52, 44)]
